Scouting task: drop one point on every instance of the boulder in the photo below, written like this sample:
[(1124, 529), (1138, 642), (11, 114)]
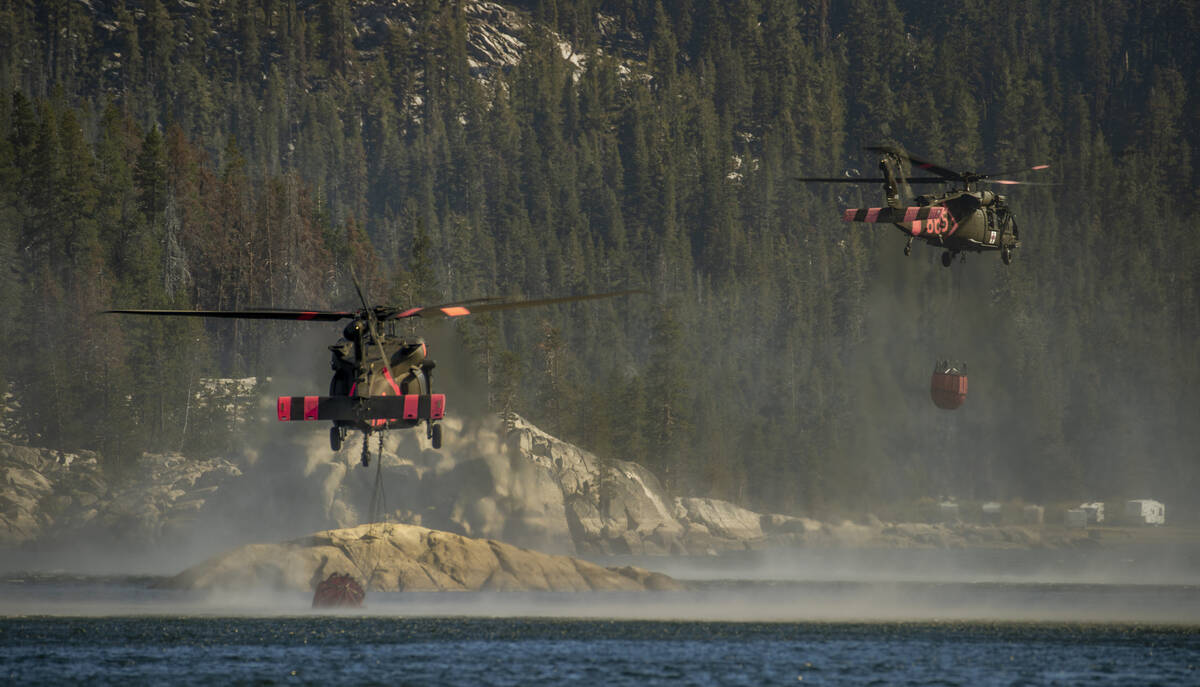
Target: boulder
[(395, 557), (23, 456), (720, 518), (24, 479)]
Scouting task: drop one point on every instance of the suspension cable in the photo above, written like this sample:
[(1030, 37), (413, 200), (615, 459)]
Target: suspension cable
[(378, 507)]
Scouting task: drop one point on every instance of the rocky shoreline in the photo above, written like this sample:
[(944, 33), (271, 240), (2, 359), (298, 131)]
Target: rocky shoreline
[(496, 479)]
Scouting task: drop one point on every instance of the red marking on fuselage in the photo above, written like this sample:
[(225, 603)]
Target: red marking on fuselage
[(936, 225), (437, 406), (947, 224), (387, 374)]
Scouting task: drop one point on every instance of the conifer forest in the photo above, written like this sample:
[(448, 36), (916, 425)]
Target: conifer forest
[(223, 154)]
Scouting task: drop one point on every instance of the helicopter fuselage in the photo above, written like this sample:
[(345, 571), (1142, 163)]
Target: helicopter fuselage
[(359, 371), (380, 381), (974, 221), (963, 219)]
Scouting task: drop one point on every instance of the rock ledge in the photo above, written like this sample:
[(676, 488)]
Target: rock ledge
[(393, 557)]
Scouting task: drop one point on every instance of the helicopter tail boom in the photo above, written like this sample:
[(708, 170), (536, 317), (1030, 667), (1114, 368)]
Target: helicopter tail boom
[(924, 220), (893, 215), (357, 408)]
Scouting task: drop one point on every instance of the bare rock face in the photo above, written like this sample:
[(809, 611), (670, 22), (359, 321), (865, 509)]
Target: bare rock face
[(495, 478), (505, 479), (392, 557), (51, 496), (165, 498), (43, 490), (477, 485), (720, 518), (611, 506)]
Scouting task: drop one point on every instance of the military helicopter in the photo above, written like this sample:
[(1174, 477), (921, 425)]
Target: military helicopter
[(380, 381), (961, 219)]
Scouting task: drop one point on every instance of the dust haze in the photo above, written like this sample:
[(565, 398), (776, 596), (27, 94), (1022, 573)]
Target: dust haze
[(290, 476), (289, 470), (742, 601)]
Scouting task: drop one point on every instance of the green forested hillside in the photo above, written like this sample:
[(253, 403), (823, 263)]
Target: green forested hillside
[(237, 154)]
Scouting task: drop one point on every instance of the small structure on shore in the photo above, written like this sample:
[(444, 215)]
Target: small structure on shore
[(948, 511), (1094, 511), (1145, 512), (1076, 518), (992, 513), (338, 591)]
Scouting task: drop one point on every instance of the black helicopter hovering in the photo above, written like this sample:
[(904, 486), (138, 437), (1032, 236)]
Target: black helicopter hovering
[(380, 381), (961, 219)]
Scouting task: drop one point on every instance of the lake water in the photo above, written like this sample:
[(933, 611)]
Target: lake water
[(533, 651), (124, 630)]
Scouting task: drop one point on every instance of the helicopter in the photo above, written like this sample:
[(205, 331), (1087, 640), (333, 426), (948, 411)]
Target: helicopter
[(380, 381), (961, 219)]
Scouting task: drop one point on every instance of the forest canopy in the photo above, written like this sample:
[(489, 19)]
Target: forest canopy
[(227, 154)]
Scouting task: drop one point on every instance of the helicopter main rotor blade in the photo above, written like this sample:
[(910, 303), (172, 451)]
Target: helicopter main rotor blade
[(919, 163), (867, 180), (1035, 168), (372, 318), (1014, 182), (260, 314), (358, 289), (478, 305)]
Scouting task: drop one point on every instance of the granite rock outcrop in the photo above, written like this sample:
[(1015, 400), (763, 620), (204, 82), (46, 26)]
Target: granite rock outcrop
[(392, 557)]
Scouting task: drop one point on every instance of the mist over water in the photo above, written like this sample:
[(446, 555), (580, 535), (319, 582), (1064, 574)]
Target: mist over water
[(730, 600), (289, 470), (1117, 585), (1122, 611)]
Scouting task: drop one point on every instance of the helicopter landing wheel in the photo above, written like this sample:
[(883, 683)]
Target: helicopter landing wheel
[(335, 438), (1006, 255), (435, 433), (947, 258)]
